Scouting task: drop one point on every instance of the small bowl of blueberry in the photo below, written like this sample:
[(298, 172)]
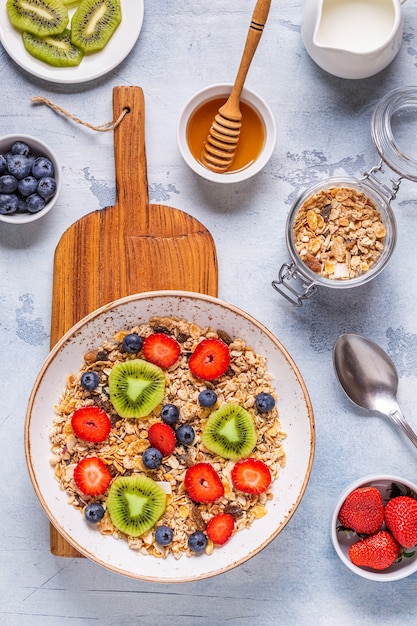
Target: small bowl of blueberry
[(30, 179)]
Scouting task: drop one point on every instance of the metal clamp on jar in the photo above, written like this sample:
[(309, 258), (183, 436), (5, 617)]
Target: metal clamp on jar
[(341, 232)]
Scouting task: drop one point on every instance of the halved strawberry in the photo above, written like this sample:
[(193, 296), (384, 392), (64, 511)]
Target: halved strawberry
[(91, 423), (251, 476), (202, 483), (210, 359), (220, 527), (162, 437), (92, 476), (161, 349)]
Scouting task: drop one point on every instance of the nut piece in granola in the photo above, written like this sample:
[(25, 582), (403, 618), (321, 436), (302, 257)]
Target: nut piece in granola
[(339, 233)]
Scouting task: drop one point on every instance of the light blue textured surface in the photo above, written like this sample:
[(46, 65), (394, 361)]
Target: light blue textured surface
[(322, 129)]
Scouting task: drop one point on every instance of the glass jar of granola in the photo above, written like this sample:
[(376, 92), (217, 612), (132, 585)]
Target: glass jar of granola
[(341, 232)]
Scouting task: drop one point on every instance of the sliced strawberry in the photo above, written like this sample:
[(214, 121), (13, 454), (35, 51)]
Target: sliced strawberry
[(220, 527), (92, 476), (210, 359), (202, 483), (91, 424), (162, 437), (251, 476), (161, 349)]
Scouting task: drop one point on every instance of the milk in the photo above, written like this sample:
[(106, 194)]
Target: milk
[(355, 25)]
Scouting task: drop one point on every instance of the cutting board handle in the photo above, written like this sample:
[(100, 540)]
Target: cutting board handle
[(132, 201)]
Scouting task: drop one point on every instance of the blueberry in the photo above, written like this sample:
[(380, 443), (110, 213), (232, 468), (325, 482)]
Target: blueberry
[(41, 167), (3, 164), (18, 165), (163, 535), (27, 185), (132, 343), (197, 541), (170, 414), (264, 402), (21, 205), (94, 512), (8, 184), (46, 187), (35, 203), (20, 147), (8, 203), (152, 458), (207, 398), (185, 434), (89, 380)]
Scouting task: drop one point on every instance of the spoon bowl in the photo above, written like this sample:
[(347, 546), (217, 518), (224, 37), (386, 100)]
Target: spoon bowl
[(369, 378)]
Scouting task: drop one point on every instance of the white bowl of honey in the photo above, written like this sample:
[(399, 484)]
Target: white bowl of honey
[(257, 134)]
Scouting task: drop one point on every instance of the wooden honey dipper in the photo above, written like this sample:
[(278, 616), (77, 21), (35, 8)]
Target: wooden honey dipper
[(220, 146)]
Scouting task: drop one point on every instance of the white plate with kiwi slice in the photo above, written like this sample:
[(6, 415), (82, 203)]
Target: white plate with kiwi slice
[(294, 412), (89, 64)]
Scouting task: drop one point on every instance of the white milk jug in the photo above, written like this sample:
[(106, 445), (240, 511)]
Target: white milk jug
[(352, 38)]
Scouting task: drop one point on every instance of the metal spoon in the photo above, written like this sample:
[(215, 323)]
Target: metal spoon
[(369, 378)]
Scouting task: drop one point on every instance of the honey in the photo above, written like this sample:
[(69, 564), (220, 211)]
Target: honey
[(252, 133)]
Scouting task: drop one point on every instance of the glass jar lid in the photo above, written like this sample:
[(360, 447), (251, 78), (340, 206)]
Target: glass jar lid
[(394, 131)]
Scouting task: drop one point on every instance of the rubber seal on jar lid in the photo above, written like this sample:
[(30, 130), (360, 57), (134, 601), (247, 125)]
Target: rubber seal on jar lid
[(394, 129)]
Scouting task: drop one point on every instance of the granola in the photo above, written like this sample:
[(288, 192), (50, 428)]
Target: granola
[(338, 233), (122, 450)]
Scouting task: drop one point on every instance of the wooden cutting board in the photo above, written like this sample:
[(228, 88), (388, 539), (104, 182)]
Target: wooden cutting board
[(128, 248)]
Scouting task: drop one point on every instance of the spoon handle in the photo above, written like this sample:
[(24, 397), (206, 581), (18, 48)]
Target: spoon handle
[(259, 17), (397, 417)]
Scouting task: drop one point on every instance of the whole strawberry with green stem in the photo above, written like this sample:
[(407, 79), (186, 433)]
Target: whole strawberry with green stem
[(401, 520), (362, 511), (377, 551)]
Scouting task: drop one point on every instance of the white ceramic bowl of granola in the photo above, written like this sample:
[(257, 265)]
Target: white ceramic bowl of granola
[(342, 540), (295, 413)]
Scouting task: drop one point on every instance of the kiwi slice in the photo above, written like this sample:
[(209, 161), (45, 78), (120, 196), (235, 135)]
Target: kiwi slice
[(94, 22), (40, 17), (136, 387), (55, 50), (135, 503), (230, 432)]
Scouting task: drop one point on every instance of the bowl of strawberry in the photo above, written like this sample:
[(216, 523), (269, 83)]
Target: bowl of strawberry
[(374, 527)]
